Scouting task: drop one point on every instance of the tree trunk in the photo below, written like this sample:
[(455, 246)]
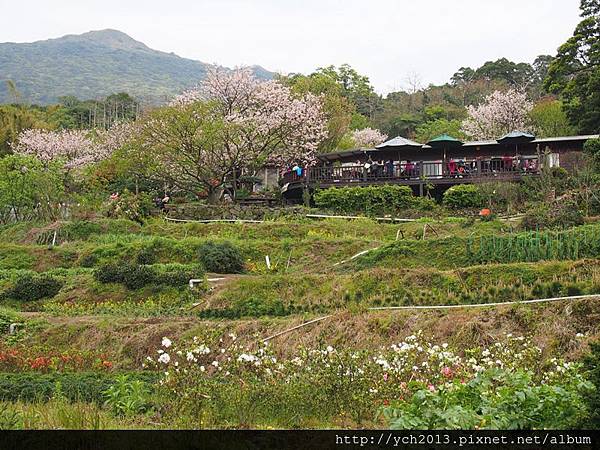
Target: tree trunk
[(214, 195)]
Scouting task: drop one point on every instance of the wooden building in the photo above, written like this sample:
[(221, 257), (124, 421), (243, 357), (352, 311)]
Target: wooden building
[(444, 161)]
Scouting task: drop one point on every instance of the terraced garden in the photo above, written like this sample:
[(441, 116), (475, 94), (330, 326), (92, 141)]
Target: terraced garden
[(86, 306)]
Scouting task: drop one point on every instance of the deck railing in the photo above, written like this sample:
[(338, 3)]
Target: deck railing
[(413, 172)]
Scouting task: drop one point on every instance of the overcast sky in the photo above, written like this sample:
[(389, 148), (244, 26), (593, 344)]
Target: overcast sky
[(385, 39)]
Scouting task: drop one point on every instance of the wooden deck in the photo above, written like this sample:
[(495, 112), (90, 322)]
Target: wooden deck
[(413, 174)]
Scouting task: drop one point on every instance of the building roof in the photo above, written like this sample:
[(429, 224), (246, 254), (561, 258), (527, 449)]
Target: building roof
[(399, 141), (568, 138), (336, 155), (443, 139), (516, 135), (403, 142)]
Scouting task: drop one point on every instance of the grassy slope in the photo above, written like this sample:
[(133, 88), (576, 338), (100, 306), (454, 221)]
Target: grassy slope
[(432, 273)]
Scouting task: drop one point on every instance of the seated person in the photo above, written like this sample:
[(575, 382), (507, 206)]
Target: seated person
[(452, 168)]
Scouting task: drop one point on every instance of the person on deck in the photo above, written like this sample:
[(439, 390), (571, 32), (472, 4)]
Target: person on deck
[(389, 169), (452, 168), (409, 168), (507, 163)]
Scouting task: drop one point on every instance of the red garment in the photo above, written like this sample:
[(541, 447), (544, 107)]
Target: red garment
[(452, 167)]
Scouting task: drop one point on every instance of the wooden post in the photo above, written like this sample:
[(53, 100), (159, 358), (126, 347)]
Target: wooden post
[(421, 173), (479, 166), (420, 189)]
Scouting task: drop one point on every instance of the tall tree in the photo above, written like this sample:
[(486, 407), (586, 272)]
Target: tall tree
[(339, 110), (230, 123), (575, 73)]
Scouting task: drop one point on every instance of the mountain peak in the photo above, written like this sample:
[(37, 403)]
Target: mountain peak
[(110, 38)]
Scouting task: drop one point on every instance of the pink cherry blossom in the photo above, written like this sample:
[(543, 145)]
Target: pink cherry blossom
[(75, 148), (368, 137), (500, 113)]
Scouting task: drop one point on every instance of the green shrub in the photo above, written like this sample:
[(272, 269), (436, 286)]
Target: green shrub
[(135, 276), (129, 206), (127, 396), (221, 257), (592, 365), (371, 200), (562, 214), (592, 148), (89, 260), (87, 387), (463, 196), (497, 399), (110, 273), (29, 287), (177, 274)]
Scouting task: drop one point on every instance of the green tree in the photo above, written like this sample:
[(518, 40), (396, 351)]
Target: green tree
[(355, 87), (550, 120), (28, 189), (575, 73), (339, 110), (16, 118), (433, 128)]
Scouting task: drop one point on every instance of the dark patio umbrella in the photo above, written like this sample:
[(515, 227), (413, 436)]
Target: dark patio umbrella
[(515, 138), (445, 142), (399, 143)]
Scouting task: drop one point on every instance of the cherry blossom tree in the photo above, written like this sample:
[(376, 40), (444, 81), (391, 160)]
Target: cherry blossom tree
[(500, 113), (368, 137), (75, 148), (232, 123)]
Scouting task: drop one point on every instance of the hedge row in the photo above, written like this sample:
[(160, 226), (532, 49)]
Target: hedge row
[(87, 387), (370, 200), (137, 276), (219, 257)]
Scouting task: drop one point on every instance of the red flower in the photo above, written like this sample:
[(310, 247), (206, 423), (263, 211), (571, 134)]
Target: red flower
[(107, 364), (41, 363), (447, 372)]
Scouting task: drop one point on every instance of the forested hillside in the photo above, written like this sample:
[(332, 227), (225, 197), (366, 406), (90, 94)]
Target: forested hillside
[(96, 64)]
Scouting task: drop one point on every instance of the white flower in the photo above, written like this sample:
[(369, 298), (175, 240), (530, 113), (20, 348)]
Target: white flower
[(579, 335), (215, 363), (329, 349), (166, 342), (189, 356), (202, 369), (164, 358)]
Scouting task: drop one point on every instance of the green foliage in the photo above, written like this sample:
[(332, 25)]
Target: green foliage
[(127, 396), (137, 276), (535, 246), (432, 129), (592, 148), (592, 365), (76, 386), (30, 287), (575, 73), (371, 200), (16, 118), (129, 206), (496, 399), (221, 257), (463, 196), (550, 120), (28, 190), (563, 214)]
